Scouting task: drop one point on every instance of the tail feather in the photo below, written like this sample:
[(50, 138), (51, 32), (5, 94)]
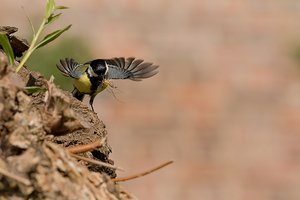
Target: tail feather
[(78, 95)]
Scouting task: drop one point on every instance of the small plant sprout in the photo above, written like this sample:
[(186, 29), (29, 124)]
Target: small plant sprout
[(50, 16)]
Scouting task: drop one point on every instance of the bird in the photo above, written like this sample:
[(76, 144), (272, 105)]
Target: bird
[(92, 77)]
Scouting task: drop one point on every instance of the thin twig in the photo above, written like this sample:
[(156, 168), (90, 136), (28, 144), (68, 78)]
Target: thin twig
[(142, 174), (97, 162), (30, 22), (86, 147), (15, 177)]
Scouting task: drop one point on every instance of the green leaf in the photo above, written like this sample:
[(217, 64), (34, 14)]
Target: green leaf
[(49, 8), (52, 36), (52, 18), (33, 89), (61, 7), (4, 42)]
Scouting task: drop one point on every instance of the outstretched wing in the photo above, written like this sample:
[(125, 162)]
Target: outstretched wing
[(131, 68), (70, 68)]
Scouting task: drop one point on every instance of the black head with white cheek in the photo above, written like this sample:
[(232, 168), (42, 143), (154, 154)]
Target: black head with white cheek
[(97, 68)]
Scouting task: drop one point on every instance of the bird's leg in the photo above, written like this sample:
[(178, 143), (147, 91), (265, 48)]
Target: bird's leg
[(92, 97), (78, 95)]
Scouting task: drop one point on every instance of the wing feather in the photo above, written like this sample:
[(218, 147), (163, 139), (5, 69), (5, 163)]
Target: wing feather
[(70, 68), (128, 62), (133, 69)]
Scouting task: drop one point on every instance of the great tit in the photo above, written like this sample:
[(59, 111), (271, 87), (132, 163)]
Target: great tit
[(93, 77)]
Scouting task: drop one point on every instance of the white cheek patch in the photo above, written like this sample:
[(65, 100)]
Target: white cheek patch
[(106, 68), (91, 72)]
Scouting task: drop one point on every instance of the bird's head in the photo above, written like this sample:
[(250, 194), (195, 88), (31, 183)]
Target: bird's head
[(97, 68)]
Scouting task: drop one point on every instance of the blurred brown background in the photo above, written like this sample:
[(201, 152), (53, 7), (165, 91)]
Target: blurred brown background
[(225, 105)]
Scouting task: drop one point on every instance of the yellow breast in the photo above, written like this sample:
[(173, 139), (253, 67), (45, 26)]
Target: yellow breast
[(83, 84), (102, 87)]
